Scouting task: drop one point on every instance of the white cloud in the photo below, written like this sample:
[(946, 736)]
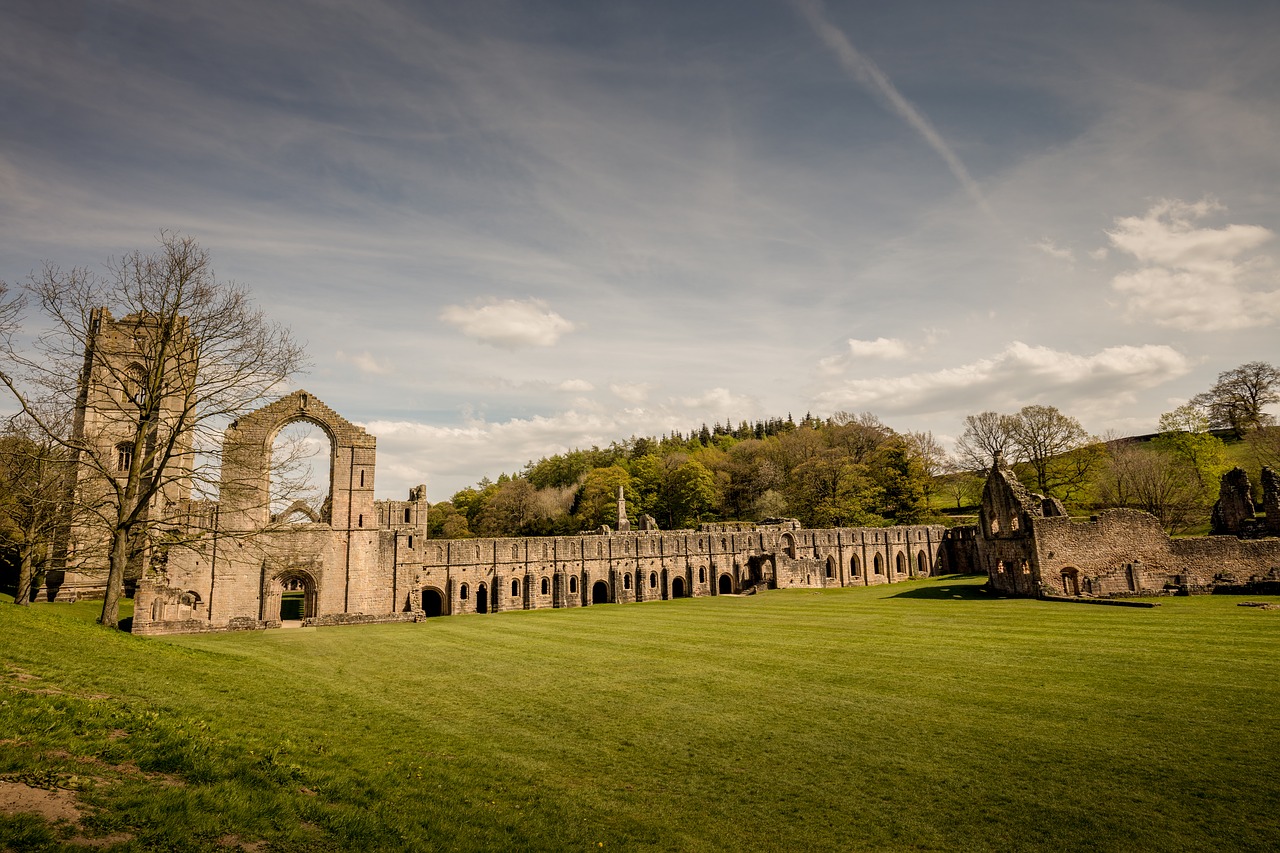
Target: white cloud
[(1099, 254), (858, 351), (632, 392), (1053, 250), (1018, 375), (364, 362), (879, 348), (721, 400), (508, 323), (575, 385), (1192, 277)]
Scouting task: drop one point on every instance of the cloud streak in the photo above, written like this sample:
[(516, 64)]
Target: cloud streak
[(1018, 375), (866, 72)]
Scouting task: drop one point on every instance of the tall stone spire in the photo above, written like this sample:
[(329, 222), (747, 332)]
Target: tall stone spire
[(623, 524)]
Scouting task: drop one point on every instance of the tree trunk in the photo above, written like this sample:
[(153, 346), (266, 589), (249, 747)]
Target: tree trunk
[(115, 578), (25, 577)]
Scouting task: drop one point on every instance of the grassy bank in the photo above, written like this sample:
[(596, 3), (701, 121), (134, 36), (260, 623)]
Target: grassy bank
[(927, 715)]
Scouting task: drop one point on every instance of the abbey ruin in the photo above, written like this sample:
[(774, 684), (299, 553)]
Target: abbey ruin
[(234, 565)]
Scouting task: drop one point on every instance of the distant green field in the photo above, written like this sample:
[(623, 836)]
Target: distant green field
[(921, 716)]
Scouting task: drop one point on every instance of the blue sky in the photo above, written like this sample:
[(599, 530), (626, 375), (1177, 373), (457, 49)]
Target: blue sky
[(507, 229)]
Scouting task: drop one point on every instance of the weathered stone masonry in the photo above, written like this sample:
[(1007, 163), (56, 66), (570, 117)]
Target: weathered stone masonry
[(1027, 546), (371, 561)]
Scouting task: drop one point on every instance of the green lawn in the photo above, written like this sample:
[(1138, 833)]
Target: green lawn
[(922, 716)]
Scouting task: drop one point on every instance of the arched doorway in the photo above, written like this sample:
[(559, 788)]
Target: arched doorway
[(295, 593), (726, 585), (600, 593), (432, 602), (922, 564), (677, 587), (1071, 581), (482, 599), (900, 564), (831, 567)]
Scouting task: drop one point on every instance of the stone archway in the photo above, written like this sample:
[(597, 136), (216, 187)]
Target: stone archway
[(1071, 581), (600, 593), (432, 602), (726, 585), (290, 597), (482, 599), (677, 588)]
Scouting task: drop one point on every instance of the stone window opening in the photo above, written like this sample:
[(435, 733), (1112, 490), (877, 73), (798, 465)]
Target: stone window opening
[(464, 593), (626, 581), (853, 566), (573, 584), (124, 457), (546, 586), (995, 526), (653, 580), (879, 565), (515, 588), (362, 478), (360, 520), (406, 515), (410, 541), (515, 551), (702, 574), (1013, 523), (301, 470)]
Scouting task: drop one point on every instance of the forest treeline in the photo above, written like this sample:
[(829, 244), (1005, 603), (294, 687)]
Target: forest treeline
[(855, 470)]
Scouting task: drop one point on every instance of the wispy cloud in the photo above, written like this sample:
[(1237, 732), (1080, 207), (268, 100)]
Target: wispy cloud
[(508, 323), (1018, 375), (1191, 277), (866, 72), (364, 362), (1053, 250)]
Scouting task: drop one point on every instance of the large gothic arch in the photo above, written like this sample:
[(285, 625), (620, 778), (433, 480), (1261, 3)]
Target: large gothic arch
[(246, 468)]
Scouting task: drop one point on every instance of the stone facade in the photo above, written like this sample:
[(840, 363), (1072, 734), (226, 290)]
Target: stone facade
[(371, 561), (120, 362), (1025, 548)]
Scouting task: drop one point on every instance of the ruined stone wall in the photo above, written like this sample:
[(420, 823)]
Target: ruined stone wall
[(1126, 552), (386, 575)]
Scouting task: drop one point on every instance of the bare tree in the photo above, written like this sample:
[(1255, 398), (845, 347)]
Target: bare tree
[(1044, 436), (151, 391), (985, 436), (1158, 481), (1238, 398)]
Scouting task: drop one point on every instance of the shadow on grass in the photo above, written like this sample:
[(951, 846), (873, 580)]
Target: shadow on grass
[(962, 588)]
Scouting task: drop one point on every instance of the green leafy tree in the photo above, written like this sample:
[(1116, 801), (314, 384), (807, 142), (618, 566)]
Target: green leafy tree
[(1238, 400), (902, 480), (597, 501)]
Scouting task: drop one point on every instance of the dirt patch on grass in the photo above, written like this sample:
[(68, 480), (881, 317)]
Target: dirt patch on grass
[(19, 798)]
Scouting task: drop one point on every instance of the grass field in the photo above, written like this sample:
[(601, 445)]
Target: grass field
[(922, 716)]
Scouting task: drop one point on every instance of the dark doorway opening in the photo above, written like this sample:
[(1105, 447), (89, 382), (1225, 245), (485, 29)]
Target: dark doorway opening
[(482, 599), (600, 593), (677, 587), (432, 603), (726, 585)]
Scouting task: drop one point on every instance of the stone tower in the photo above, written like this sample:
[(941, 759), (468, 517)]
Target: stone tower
[(137, 380)]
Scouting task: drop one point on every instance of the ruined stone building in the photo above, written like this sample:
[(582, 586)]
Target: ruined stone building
[(1026, 545), (121, 381), (234, 564), (371, 561)]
